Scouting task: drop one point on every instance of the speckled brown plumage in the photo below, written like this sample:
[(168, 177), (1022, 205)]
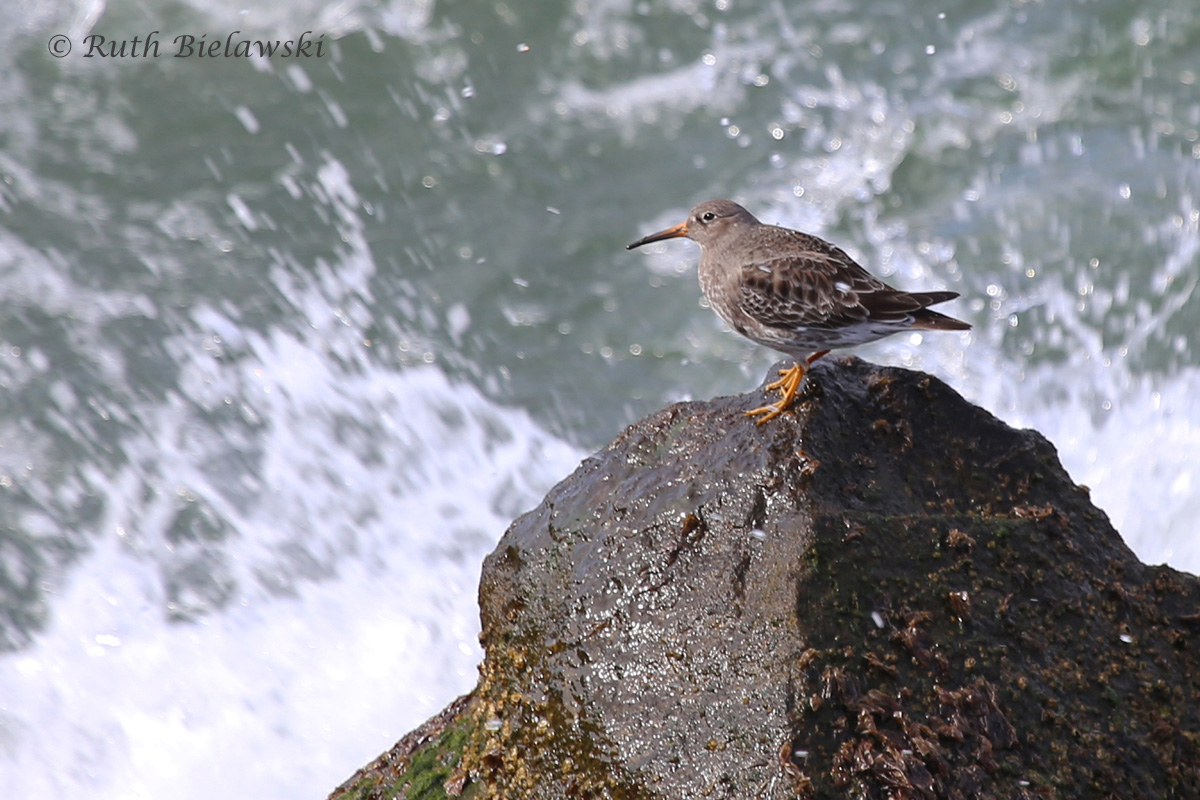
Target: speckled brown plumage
[(795, 293)]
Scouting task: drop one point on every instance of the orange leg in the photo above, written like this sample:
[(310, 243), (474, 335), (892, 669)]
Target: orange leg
[(788, 385)]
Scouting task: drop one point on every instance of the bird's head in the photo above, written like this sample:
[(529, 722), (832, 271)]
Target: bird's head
[(705, 222)]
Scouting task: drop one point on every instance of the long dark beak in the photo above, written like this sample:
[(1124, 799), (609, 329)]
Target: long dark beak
[(669, 233)]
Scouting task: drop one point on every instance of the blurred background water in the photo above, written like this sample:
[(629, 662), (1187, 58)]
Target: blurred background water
[(285, 345)]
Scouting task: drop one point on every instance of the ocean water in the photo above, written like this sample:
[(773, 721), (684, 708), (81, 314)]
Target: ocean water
[(285, 344)]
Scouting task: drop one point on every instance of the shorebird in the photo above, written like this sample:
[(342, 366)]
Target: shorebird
[(795, 293)]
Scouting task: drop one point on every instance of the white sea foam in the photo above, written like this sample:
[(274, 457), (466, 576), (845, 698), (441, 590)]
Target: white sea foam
[(276, 694), (283, 564)]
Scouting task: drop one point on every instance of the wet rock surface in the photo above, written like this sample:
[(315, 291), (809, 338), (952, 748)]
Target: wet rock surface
[(425, 764), (886, 592)]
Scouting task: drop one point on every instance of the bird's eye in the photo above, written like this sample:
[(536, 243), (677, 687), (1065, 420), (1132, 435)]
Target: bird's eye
[(707, 216)]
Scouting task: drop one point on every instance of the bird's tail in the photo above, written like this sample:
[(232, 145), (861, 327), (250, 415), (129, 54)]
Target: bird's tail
[(932, 320)]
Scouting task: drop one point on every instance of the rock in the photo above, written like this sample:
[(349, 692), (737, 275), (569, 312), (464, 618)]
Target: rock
[(886, 592), (426, 763)]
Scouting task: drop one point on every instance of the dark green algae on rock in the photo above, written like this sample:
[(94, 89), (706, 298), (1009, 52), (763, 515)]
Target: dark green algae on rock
[(884, 593)]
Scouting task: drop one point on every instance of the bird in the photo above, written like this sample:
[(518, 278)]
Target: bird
[(794, 292)]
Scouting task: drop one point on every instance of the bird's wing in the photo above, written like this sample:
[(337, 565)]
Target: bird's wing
[(822, 287)]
